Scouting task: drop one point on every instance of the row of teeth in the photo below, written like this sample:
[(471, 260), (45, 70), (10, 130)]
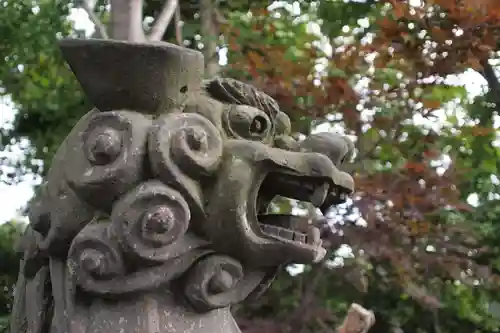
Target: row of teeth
[(319, 192), (312, 237)]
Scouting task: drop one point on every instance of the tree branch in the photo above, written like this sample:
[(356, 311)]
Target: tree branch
[(99, 26), (163, 20), (210, 35), (491, 78), (126, 20), (178, 26)]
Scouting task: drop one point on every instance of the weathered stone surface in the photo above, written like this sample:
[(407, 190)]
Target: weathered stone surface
[(154, 216), (150, 77)]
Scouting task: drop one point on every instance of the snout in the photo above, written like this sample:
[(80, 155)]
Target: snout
[(251, 174), (319, 157), (337, 148)]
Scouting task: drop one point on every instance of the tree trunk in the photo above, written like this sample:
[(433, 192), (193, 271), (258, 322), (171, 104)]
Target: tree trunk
[(210, 35), (126, 20)]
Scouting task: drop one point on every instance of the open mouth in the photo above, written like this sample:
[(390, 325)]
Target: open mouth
[(320, 192)]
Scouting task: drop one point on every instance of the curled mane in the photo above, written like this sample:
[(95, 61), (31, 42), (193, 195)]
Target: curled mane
[(236, 92)]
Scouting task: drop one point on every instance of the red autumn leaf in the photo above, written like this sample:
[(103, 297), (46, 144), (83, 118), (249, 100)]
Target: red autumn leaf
[(431, 104), (415, 167), (481, 131)]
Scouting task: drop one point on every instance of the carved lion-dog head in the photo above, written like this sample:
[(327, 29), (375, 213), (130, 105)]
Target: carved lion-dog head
[(260, 160), (134, 201)]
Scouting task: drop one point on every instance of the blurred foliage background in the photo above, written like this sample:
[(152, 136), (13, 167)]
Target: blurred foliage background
[(419, 241)]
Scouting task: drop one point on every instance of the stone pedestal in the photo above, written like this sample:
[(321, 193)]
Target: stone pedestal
[(146, 78), (150, 312)]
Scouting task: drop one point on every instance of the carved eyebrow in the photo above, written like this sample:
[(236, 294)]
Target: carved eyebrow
[(236, 92)]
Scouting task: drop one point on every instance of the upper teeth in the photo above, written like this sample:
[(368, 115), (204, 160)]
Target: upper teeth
[(312, 237), (318, 192)]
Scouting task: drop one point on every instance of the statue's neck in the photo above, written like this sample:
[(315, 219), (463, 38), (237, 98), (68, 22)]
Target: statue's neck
[(156, 312)]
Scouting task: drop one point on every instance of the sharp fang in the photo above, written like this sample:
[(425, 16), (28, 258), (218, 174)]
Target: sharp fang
[(319, 195), (313, 236)]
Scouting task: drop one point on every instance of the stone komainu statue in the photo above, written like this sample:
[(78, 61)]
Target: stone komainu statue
[(154, 216)]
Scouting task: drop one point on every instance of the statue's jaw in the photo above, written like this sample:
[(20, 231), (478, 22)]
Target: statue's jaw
[(297, 231), (238, 223)]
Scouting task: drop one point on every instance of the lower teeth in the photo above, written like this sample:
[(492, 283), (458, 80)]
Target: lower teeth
[(283, 233)]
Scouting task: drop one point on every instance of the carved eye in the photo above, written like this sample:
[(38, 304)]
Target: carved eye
[(248, 122), (258, 125)]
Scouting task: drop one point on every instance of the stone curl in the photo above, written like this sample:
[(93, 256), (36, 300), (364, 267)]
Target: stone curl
[(95, 260), (97, 264), (184, 148), (108, 157), (218, 281), (149, 222)]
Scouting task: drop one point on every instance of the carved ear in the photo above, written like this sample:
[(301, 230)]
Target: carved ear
[(18, 321), (30, 308)]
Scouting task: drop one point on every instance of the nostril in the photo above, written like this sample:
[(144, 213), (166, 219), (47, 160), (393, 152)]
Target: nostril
[(336, 147)]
